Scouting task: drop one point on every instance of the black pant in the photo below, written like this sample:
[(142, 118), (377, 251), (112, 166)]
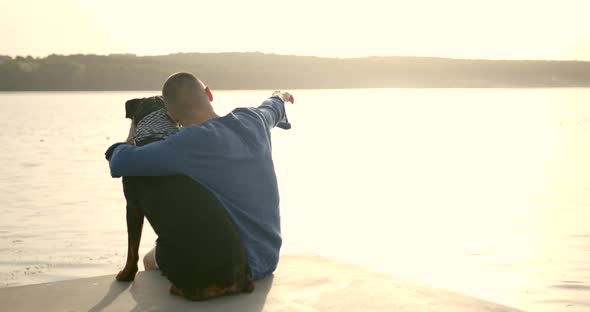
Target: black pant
[(197, 240)]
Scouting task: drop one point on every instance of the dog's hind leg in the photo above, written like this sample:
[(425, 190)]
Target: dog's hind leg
[(134, 228), (248, 282)]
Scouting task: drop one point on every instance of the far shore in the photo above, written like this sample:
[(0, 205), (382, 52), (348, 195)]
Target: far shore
[(304, 89), (258, 71)]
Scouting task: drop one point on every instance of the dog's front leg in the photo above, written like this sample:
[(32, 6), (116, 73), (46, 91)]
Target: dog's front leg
[(134, 228)]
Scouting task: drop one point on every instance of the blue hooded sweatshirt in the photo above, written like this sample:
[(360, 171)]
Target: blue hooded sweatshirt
[(230, 156)]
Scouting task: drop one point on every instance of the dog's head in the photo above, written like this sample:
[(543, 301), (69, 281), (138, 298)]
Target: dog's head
[(137, 109)]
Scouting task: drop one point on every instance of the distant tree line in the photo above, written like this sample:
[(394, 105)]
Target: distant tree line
[(270, 71)]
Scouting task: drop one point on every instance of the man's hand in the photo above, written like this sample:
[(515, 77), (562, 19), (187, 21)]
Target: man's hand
[(131, 134), (285, 96)]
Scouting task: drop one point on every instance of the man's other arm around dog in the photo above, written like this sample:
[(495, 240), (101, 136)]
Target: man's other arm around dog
[(169, 157)]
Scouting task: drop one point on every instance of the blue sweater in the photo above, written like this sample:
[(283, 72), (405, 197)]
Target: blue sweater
[(230, 156)]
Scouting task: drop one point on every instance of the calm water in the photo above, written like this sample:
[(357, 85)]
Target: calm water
[(485, 192)]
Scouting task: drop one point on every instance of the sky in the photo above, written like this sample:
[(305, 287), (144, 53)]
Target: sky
[(498, 29)]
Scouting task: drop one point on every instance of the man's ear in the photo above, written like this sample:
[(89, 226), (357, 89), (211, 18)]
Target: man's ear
[(209, 94), (131, 107)]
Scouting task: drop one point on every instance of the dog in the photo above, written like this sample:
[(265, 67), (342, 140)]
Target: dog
[(199, 248)]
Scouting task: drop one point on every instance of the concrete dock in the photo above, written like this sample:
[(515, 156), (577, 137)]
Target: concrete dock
[(301, 283)]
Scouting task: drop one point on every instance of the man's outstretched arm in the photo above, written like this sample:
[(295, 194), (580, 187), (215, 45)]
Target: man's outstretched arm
[(273, 110), (155, 159)]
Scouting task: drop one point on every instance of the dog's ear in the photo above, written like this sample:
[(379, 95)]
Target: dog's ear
[(131, 107), (160, 101)]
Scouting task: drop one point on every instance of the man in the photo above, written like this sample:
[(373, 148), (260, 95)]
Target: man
[(229, 155)]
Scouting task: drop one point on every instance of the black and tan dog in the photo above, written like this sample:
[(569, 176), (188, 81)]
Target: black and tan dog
[(198, 247)]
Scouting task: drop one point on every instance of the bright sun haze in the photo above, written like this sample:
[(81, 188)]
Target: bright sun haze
[(502, 29)]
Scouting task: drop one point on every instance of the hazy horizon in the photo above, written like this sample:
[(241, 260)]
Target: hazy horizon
[(459, 29), (286, 54)]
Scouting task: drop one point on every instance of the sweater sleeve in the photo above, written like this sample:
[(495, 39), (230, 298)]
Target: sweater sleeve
[(155, 159), (274, 114)]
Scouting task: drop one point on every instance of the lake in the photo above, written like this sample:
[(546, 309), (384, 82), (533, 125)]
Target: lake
[(481, 191)]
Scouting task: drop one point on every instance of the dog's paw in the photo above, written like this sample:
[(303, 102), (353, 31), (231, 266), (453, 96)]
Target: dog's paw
[(249, 286), (126, 275)]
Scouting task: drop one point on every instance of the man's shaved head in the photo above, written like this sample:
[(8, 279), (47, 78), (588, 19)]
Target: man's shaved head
[(184, 93)]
